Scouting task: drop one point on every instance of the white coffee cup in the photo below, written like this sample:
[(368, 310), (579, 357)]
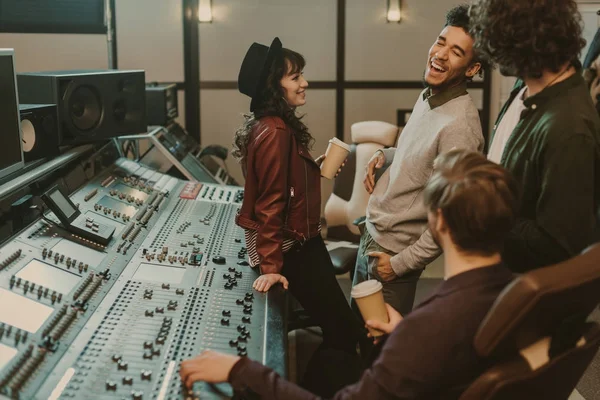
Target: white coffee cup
[(337, 151), (369, 298)]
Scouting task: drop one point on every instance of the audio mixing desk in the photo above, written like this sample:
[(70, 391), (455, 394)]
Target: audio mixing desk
[(79, 320)]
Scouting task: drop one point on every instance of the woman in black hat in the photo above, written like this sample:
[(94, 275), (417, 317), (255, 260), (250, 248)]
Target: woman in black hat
[(282, 199)]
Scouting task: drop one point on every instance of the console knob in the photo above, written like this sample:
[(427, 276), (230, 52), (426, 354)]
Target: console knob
[(146, 375), (137, 394), (219, 260)]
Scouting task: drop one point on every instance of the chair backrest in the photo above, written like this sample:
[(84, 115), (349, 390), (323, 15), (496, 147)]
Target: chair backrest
[(349, 198), (536, 334), (523, 379)]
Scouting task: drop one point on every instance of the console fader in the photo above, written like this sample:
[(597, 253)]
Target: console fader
[(85, 321)]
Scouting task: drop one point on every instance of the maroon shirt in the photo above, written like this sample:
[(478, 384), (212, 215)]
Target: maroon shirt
[(428, 356)]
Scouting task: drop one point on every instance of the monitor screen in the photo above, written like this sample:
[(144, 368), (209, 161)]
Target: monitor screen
[(63, 203), (11, 157)]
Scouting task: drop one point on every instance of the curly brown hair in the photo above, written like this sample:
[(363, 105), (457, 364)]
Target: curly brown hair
[(273, 104), (526, 37)]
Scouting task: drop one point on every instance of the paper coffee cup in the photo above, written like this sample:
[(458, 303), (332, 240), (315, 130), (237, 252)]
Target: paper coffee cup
[(369, 298), (336, 153)]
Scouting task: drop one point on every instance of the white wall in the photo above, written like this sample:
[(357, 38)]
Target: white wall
[(307, 26), (150, 36), (47, 52)]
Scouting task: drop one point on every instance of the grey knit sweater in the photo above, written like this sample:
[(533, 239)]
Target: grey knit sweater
[(396, 214)]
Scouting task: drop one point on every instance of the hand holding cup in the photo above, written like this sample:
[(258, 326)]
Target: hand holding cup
[(335, 157), (369, 298)]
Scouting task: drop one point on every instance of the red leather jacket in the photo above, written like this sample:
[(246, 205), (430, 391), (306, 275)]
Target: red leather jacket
[(282, 193)]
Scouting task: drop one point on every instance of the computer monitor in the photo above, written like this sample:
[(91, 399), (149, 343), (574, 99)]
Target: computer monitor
[(11, 154)]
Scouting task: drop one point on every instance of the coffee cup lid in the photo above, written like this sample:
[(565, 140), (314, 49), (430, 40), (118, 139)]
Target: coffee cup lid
[(366, 288), (339, 143)]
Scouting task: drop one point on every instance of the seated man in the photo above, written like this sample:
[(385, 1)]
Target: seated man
[(472, 203)]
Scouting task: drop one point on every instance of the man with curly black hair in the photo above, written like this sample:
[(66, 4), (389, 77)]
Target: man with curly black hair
[(396, 245), (548, 132)]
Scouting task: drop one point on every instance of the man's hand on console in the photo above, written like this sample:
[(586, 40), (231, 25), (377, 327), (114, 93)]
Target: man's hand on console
[(210, 366)]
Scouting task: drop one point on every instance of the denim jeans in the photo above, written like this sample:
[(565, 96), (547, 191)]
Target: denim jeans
[(399, 292)]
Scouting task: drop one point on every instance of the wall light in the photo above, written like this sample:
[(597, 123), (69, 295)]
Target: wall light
[(205, 11), (394, 12)]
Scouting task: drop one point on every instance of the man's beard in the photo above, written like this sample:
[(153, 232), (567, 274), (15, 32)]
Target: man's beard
[(436, 238), (434, 233), (446, 84)]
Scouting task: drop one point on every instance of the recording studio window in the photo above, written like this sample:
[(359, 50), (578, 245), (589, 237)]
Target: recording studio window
[(52, 16)]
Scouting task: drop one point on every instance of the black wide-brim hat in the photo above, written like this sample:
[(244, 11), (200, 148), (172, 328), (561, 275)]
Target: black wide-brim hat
[(255, 70)]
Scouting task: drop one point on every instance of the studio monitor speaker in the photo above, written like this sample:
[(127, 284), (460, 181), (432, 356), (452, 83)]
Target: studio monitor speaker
[(92, 105), (39, 131)]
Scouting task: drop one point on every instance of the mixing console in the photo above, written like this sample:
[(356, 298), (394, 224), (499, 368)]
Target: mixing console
[(85, 321)]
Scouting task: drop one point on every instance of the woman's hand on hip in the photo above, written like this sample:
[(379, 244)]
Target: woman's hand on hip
[(264, 282)]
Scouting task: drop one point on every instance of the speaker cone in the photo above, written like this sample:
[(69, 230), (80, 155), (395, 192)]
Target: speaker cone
[(27, 135), (84, 108)]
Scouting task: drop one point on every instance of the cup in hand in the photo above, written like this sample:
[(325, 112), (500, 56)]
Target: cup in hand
[(369, 298), (336, 153)]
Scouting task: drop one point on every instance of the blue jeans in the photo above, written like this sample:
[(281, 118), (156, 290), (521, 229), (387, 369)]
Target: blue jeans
[(399, 292)]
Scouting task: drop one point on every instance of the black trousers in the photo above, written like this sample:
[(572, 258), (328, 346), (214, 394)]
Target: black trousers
[(312, 282)]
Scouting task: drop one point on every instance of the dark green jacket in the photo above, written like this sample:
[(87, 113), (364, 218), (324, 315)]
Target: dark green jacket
[(554, 152)]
